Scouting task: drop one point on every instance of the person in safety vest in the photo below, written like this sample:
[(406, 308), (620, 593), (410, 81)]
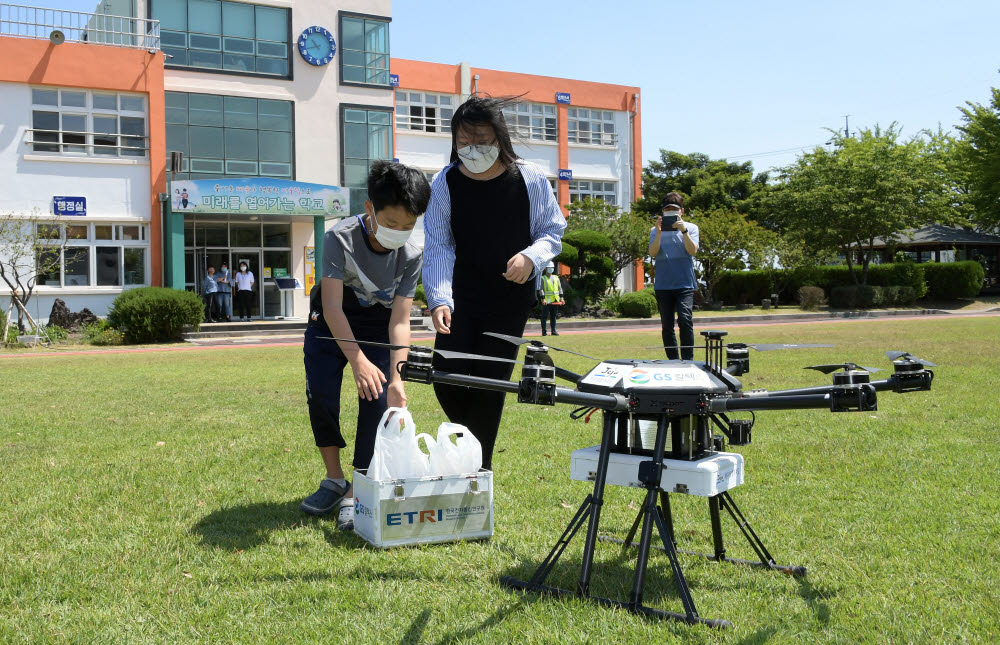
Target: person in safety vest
[(551, 294)]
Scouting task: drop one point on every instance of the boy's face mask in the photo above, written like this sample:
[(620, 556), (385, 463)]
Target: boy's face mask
[(390, 238)]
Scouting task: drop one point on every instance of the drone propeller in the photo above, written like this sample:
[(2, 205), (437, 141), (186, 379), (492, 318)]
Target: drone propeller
[(907, 356), (827, 369), (443, 353), (530, 341), (766, 347)]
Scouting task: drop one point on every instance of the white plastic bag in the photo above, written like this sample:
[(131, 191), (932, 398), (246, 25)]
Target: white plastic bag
[(397, 450), (464, 455)]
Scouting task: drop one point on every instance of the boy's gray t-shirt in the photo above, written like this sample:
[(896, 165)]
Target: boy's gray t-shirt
[(374, 277)]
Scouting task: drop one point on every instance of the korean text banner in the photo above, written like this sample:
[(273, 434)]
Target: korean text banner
[(258, 196)]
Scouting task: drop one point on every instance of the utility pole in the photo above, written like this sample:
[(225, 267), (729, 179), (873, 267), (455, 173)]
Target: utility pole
[(847, 132)]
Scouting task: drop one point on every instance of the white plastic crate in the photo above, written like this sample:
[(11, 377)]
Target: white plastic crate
[(705, 477), (425, 510)]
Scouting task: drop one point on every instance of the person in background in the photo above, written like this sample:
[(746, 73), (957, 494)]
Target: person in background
[(224, 296), (550, 292), (244, 291), (673, 247), (209, 287), (491, 227), (370, 271)]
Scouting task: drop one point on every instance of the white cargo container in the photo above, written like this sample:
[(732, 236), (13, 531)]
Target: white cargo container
[(705, 477), (424, 510)]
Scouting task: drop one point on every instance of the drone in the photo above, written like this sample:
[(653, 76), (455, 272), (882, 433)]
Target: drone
[(686, 401)]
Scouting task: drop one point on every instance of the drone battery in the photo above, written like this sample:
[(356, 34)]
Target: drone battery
[(704, 477), (423, 510)]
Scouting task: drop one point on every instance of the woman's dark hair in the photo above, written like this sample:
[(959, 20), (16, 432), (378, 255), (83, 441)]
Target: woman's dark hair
[(484, 110), (673, 199), (392, 184)]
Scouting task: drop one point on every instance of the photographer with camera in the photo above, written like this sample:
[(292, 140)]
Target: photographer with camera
[(673, 244)]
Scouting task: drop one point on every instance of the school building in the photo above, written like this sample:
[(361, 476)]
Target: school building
[(277, 109)]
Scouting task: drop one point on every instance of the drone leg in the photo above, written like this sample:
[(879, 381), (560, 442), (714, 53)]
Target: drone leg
[(546, 566), (668, 516), (635, 527), (583, 587), (668, 545), (713, 510), (727, 503)]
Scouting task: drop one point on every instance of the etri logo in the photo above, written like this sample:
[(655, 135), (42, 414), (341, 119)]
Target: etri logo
[(396, 519), (639, 377)]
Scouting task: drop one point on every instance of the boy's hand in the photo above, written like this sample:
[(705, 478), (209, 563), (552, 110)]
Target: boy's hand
[(396, 395), (441, 317), (519, 268), (368, 378)]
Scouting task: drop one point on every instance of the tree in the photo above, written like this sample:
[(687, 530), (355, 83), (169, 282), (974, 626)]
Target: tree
[(706, 184), (728, 241), (979, 152), (867, 187), (627, 231), (779, 255), (591, 270), (29, 247)]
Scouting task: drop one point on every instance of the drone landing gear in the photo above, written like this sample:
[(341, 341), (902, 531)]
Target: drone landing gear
[(722, 501)]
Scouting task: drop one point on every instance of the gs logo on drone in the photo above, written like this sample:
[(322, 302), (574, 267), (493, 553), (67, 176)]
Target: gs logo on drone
[(639, 377)]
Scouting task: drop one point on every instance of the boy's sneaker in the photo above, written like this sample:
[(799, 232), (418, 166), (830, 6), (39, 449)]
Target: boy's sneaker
[(325, 500), (345, 517)]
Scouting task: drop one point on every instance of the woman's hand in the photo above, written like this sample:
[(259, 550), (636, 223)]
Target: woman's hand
[(441, 317), (368, 378), (519, 268), (396, 395)]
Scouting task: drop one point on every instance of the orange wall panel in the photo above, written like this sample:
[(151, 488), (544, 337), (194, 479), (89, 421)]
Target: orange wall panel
[(429, 77)]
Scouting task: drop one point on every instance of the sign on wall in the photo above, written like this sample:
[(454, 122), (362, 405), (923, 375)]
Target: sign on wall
[(76, 206), (310, 272), (565, 174), (562, 97), (394, 80), (259, 196)]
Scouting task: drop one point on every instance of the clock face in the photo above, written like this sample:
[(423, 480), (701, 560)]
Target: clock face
[(316, 45)]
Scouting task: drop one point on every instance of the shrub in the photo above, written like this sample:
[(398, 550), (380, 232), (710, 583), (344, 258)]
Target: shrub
[(866, 297), (589, 241), (612, 302), (420, 295), (56, 333), (948, 281), (811, 297), (742, 287), (102, 333), (640, 304), (568, 255), (154, 314)]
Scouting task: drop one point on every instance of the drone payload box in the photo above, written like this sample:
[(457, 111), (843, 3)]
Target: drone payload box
[(706, 477), (424, 510)]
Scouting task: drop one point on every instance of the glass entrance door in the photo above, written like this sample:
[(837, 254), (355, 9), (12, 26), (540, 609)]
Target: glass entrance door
[(253, 261)]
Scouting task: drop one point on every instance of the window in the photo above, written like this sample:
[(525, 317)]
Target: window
[(423, 111), (232, 36), (101, 255), (592, 126), (364, 55), (367, 136), (230, 136), (536, 121), (88, 124), (606, 190)]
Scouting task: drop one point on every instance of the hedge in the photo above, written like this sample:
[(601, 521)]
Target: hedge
[(739, 287), (866, 297), (153, 314), (639, 304), (951, 280)]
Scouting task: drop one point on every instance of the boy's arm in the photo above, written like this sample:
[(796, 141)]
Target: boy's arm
[(399, 334), (367, 377)]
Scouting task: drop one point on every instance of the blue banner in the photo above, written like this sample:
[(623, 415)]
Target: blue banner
[(394, 80), (562, 97), (565, 174), (259, 196), (76, 206)]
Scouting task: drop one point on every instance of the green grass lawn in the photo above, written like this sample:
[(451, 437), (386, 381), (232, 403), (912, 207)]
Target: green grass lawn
[(109, 535)]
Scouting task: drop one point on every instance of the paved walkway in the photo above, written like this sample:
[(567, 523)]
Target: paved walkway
[(293, 340)]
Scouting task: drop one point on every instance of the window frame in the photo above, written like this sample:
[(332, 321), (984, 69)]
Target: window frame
[(186, 168), (91, 243), (593, 194), (528, 133), (210, 70), (443, 126), (344, 107), (573, 136), (342, 48), (88, 112)]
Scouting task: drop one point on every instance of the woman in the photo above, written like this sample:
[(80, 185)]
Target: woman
[(491, 226), (244, 291)]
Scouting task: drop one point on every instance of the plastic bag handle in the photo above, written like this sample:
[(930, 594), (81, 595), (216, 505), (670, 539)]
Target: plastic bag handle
[(428, 441)]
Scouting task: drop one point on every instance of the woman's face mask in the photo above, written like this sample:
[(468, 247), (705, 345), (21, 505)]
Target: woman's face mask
[(478, 159), (243, 267)]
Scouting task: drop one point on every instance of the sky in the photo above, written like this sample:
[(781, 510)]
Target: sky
[(746, 81)]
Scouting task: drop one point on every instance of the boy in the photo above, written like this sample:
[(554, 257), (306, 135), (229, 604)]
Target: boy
[(370, 273)]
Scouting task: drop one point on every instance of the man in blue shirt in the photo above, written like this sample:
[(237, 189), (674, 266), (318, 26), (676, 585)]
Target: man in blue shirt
[(674, 243)]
